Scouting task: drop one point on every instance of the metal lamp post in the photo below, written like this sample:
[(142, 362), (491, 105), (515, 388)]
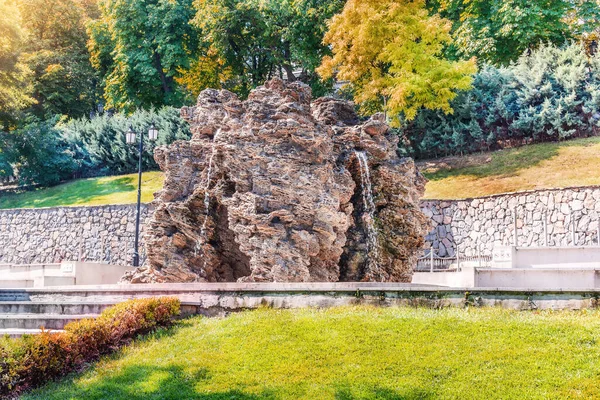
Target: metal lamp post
[(130, 139)]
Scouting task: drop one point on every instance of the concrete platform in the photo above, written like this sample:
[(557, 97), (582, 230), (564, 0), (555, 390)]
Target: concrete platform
[(69, 308), (67, 273), (209, 298), (533, 278), (37, 321)]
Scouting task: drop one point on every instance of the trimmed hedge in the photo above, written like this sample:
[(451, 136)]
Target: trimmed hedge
[(33, 360)]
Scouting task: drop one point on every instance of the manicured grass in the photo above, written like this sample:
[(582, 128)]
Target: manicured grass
[(539, 166), (355, 353), (88, 192)]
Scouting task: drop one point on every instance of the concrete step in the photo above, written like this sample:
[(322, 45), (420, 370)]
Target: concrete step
[(16, 283), (37, 282), (36, 321), (52, 308), (7, 295), (46, 281), (28, 267), (15, 332)]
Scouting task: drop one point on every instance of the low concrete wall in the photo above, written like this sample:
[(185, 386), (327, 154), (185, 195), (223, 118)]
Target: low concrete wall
[(520, 278), (556, 257), (64, 274), (214, 299), (538, 278), (87, 273), (463, 278)]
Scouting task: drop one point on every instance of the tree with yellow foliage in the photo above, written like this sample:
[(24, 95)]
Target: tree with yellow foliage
[(15, 89), (391, 52)]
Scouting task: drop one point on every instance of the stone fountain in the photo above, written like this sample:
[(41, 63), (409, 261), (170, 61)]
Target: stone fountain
[(277, 188)]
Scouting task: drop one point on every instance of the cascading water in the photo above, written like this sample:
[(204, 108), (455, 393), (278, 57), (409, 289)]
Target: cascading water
[(369, 206), (202, 237)]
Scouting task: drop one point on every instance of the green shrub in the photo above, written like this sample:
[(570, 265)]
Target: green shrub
[(550, 94), (38, 152), (100, 146), (32, 360), (9, 378), (44, 153)]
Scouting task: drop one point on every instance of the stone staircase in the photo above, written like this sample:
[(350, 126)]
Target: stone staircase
[(26, 310), (21, 315)]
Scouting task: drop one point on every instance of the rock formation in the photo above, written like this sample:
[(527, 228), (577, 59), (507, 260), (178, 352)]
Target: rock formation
[(277, 188)]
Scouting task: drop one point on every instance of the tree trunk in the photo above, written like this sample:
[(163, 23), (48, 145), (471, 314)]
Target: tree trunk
[(164, 79), (287, 65), (289, 72)]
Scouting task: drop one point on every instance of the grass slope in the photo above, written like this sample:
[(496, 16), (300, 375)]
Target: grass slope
[(354, 353), (88, 192), (539, 166)]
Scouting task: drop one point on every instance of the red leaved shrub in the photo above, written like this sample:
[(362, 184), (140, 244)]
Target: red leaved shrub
[(32, 360)]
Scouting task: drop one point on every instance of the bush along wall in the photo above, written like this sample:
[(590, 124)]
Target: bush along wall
[(549, 94), (100, 142), (33, 360), (37, 153), (44, 153)]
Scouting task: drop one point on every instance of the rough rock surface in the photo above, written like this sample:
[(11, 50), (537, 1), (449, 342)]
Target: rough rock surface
[(272, 189)]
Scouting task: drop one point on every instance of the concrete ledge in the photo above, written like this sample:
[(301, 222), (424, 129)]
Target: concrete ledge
[(538, 278), (288, 287), (568, 258), (216, 298), (243, 287), (67, 273)]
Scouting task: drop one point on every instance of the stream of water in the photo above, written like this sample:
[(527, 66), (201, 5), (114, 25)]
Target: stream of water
[(369, 206), (202, 239)]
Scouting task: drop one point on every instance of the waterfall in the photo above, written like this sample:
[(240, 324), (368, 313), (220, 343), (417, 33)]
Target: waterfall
[(369, 206), (202, 237), (207, 193)]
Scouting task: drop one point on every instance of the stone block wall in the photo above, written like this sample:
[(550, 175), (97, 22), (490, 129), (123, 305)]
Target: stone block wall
[(477, 225), (50, 235), (474, 226)]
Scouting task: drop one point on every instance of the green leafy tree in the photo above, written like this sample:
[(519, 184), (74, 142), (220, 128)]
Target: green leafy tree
[(392, 50), (64, 81), (6, 156), (140, 48), (499, 31), (41, 155), (14, 75), (260, 39)]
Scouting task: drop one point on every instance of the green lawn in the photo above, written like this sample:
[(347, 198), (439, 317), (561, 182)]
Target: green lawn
[(88, 192), (354, 353), (538, 166)]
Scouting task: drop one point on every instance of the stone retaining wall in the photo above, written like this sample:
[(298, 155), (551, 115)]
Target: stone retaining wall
[(47, 235), (106, 233), (477, 225)]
